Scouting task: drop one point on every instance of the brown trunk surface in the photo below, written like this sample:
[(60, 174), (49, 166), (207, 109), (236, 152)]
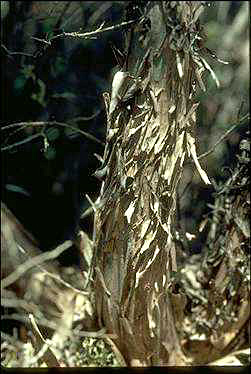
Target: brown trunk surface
[(151, 120)]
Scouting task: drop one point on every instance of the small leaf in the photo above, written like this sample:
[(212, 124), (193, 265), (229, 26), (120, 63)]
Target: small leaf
[(27, 71), (15, 188), (50, 153), (52, 134), (40, 95), (20, 83)]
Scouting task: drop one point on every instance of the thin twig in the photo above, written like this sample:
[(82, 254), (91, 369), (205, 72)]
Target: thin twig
[(91, 202), (47, 123), (47, 353), (86, 35), (42, 321), (79, 119), (35, 327), (49, 255), (16, 53), (26, 140), (6, 140), (17, 303), (91, 334), (91, 34), (223, 137), (59, 279)]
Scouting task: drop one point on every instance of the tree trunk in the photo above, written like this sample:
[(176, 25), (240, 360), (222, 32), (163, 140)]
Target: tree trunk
[(150, 132)]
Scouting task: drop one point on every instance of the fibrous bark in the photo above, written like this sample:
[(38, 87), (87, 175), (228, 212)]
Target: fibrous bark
[(150, 132)]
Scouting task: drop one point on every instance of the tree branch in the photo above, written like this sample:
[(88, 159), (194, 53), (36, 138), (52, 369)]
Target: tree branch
[(224, 136), (49, 255)]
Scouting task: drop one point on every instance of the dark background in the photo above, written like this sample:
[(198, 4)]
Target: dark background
[(45, 187)]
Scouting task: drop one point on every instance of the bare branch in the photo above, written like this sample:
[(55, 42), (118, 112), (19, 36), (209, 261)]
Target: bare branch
[(224, 136), (22, 318), (90, 34), (46, 123), (26, 140), (49, 255), (17, 303), (76, 34), (15, 53), (79, 119), (92, 334), (59, 279)]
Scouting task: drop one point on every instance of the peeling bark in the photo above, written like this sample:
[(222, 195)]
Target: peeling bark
[(150, 132)]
